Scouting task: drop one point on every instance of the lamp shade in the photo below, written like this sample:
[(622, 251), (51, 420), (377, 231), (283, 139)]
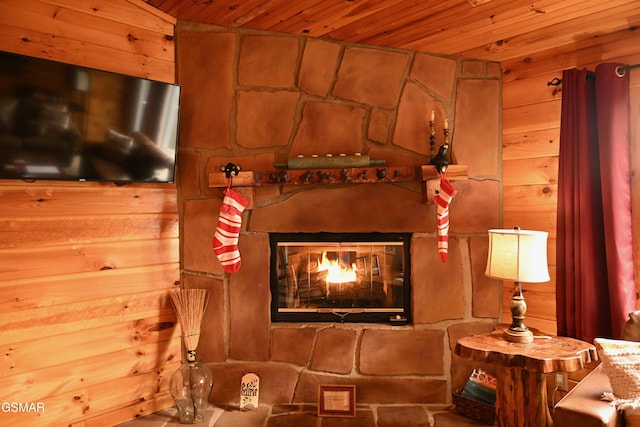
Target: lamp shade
[(518, 255)]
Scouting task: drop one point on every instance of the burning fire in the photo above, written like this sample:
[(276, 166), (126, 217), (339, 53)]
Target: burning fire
[(337, 272)]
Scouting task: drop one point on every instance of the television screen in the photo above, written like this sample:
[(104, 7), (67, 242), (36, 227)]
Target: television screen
[(65, 122)]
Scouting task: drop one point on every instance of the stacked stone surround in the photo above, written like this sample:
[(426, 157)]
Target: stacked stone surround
[(258, 98)]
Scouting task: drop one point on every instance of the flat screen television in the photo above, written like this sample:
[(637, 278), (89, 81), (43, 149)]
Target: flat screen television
[(65, 122)]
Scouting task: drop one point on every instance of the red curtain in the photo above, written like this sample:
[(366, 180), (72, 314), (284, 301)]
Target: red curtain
[(595, 278)]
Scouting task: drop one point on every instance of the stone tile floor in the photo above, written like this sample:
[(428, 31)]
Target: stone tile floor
[(306, 416)]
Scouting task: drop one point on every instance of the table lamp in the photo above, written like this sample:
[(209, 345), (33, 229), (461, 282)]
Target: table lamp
[(521, 256)]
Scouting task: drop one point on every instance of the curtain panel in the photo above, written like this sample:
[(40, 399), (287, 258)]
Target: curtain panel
[(595, 278)]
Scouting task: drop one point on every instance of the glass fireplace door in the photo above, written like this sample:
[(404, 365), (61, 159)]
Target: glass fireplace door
[(337, 277)]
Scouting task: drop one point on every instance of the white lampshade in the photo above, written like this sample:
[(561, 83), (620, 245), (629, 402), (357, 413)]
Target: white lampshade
[(518, 255)]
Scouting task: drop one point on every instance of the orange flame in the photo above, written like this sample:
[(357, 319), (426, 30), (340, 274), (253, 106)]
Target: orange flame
[(337, 272)]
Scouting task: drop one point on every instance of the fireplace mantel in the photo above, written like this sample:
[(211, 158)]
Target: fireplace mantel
[(342, 176)]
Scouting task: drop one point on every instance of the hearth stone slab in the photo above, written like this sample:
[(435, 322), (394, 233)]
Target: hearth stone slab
[(394, 416), (306, 416), (277, 382), (233, 417), (292, 345), (363, 418), (378, 390), (293, 420), (334, 351), (401, 352)]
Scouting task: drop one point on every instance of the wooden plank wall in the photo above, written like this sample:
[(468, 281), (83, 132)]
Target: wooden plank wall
[(86, 326), (531, 132)]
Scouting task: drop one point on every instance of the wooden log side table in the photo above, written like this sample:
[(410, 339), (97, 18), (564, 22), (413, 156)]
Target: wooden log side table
[(521, 394)]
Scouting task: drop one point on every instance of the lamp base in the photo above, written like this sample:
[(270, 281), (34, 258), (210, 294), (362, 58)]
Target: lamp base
[(518, 335), (518, 332)]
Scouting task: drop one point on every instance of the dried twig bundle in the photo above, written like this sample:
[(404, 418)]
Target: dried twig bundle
[(190, 305)]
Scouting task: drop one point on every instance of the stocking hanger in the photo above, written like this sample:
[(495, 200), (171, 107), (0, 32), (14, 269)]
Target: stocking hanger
[(228, 169)]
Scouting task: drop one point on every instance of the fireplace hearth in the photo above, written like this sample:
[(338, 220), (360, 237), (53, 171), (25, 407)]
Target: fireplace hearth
[(346, 277)]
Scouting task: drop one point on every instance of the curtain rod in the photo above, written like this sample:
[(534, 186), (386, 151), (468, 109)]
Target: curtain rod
[(619, 72)]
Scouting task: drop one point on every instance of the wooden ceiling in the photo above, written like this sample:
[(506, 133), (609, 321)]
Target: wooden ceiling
[(496, 30)]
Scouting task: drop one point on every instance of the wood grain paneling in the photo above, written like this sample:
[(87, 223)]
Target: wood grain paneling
[(528, 145), (117, 36), (46, 321), (68, 377), (59, 259), (85, 270)]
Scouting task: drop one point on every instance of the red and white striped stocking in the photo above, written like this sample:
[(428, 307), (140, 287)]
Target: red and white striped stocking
[(225, 240), (443, 200)]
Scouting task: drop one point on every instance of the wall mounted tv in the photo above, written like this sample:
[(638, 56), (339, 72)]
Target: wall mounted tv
[(64, 122)]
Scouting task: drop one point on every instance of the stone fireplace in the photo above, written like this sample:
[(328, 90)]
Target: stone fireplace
[(257, 99)]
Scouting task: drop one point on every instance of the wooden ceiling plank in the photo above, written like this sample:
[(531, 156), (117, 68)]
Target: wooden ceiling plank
[(216, 10), (339, 15), (236, 14), (443, 21), (167, 6), (281, 11), (561, 34), (320, 15), (193, 10), (473, 30), (154, 11), (468, 28), (396, 18), (251, 14), (563, 15), (355, 11), (317, 10), (189, 11), (464, 37)]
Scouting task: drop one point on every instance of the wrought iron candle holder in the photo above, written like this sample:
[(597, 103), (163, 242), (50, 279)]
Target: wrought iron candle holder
[(439, 157)]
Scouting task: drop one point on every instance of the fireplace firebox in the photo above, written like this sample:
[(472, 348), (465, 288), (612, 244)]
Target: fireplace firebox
[(346, 277)]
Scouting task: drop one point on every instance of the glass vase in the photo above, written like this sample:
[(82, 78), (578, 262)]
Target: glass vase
[(190, 387)]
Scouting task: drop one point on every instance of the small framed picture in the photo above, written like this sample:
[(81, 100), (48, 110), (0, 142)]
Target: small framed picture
[(336, 400)]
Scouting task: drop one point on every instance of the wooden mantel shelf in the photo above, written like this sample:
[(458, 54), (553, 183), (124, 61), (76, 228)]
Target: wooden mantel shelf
[(360, 175), (329, 176)]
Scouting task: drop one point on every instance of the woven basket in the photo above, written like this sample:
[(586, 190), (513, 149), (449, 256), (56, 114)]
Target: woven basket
[(474, 409)]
